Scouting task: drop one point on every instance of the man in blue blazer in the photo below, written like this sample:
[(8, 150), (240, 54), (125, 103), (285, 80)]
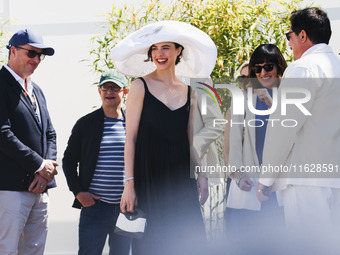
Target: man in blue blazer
[(27, 149)]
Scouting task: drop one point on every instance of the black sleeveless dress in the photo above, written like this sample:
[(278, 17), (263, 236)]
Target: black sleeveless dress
[(164, 189)]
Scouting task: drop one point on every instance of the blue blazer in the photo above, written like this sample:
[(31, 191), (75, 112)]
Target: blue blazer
[(24, 142)]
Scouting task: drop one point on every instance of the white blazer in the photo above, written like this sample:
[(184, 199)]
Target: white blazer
[(241, 156), (316, 138), (206, 134)]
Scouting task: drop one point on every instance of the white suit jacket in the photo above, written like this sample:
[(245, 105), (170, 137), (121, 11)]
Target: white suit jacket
[(205, 133), (240, 156), (316, 138)]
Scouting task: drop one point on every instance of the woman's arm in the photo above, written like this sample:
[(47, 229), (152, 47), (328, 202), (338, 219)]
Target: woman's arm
[(202, 180), (134, 108)]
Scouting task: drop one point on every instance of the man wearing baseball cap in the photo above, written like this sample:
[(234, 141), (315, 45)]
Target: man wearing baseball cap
[(96, 145), (27, 148)]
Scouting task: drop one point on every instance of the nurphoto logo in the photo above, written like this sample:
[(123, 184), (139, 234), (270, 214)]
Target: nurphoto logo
[(288, 97)]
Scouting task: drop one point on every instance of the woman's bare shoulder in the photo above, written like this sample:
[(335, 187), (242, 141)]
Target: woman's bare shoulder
[(137, 86)]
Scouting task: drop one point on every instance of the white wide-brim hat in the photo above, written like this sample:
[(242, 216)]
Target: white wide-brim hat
[(199, 54)]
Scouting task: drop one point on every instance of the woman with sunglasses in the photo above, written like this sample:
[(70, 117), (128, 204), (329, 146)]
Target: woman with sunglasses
[(266, 67), (244, 72)]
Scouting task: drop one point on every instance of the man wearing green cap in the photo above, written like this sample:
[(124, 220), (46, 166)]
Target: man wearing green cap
[(96, 145)]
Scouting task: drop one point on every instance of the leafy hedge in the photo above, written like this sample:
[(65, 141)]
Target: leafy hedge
[(4, 37), (236, 26)]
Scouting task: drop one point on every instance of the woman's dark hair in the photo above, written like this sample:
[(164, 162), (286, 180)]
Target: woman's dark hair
[(266, 53), (178, 59)]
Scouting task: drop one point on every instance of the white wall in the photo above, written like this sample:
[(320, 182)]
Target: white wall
[(67, 82), (332, 7)]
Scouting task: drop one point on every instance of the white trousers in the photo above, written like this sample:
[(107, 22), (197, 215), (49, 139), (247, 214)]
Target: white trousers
[(312, 216), (23, 224)]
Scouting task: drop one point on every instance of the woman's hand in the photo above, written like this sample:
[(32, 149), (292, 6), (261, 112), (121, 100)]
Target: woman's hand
[(245, 184), (129, 199), (202, 186), (263, 192), (263, 94)]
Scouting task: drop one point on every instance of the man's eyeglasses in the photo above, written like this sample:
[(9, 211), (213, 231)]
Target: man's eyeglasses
[(288, 35), (105, 88), (266, 67), (32, 53)]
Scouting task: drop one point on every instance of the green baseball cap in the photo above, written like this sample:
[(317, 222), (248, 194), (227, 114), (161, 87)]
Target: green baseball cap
[(113, 76)]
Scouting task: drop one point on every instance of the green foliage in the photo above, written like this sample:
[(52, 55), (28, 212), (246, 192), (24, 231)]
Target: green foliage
[(4, 36), (122, 22), (236, 26)]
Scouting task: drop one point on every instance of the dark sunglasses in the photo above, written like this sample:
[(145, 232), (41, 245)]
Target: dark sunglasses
[(266, 67), (242, 78), (32, 53), (288, 35)]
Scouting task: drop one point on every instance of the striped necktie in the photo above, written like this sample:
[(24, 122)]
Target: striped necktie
[(33, 104)]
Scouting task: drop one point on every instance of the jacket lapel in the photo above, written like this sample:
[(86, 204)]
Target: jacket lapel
[(251, 130), (24, 98), (42, 109)]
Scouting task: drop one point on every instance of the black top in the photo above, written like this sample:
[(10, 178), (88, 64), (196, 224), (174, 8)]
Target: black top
[(164, 189)]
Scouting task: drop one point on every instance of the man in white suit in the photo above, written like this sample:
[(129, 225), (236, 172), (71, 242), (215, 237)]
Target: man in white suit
[(311, 201)]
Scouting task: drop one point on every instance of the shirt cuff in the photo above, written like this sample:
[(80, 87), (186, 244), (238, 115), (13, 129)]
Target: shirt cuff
[(41, 167), (267, 181)]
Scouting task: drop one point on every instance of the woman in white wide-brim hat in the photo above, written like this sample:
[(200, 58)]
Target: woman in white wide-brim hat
[(159, 133)]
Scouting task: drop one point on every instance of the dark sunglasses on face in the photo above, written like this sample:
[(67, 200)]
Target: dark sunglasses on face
[(242, 78), (32, 53), (112, 88), (266, 67), (288, 35)]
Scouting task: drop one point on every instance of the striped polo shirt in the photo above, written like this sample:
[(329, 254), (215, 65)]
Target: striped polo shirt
[(108, 178)]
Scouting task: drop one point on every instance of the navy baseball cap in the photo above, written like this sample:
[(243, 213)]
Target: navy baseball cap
[(30, 37)]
